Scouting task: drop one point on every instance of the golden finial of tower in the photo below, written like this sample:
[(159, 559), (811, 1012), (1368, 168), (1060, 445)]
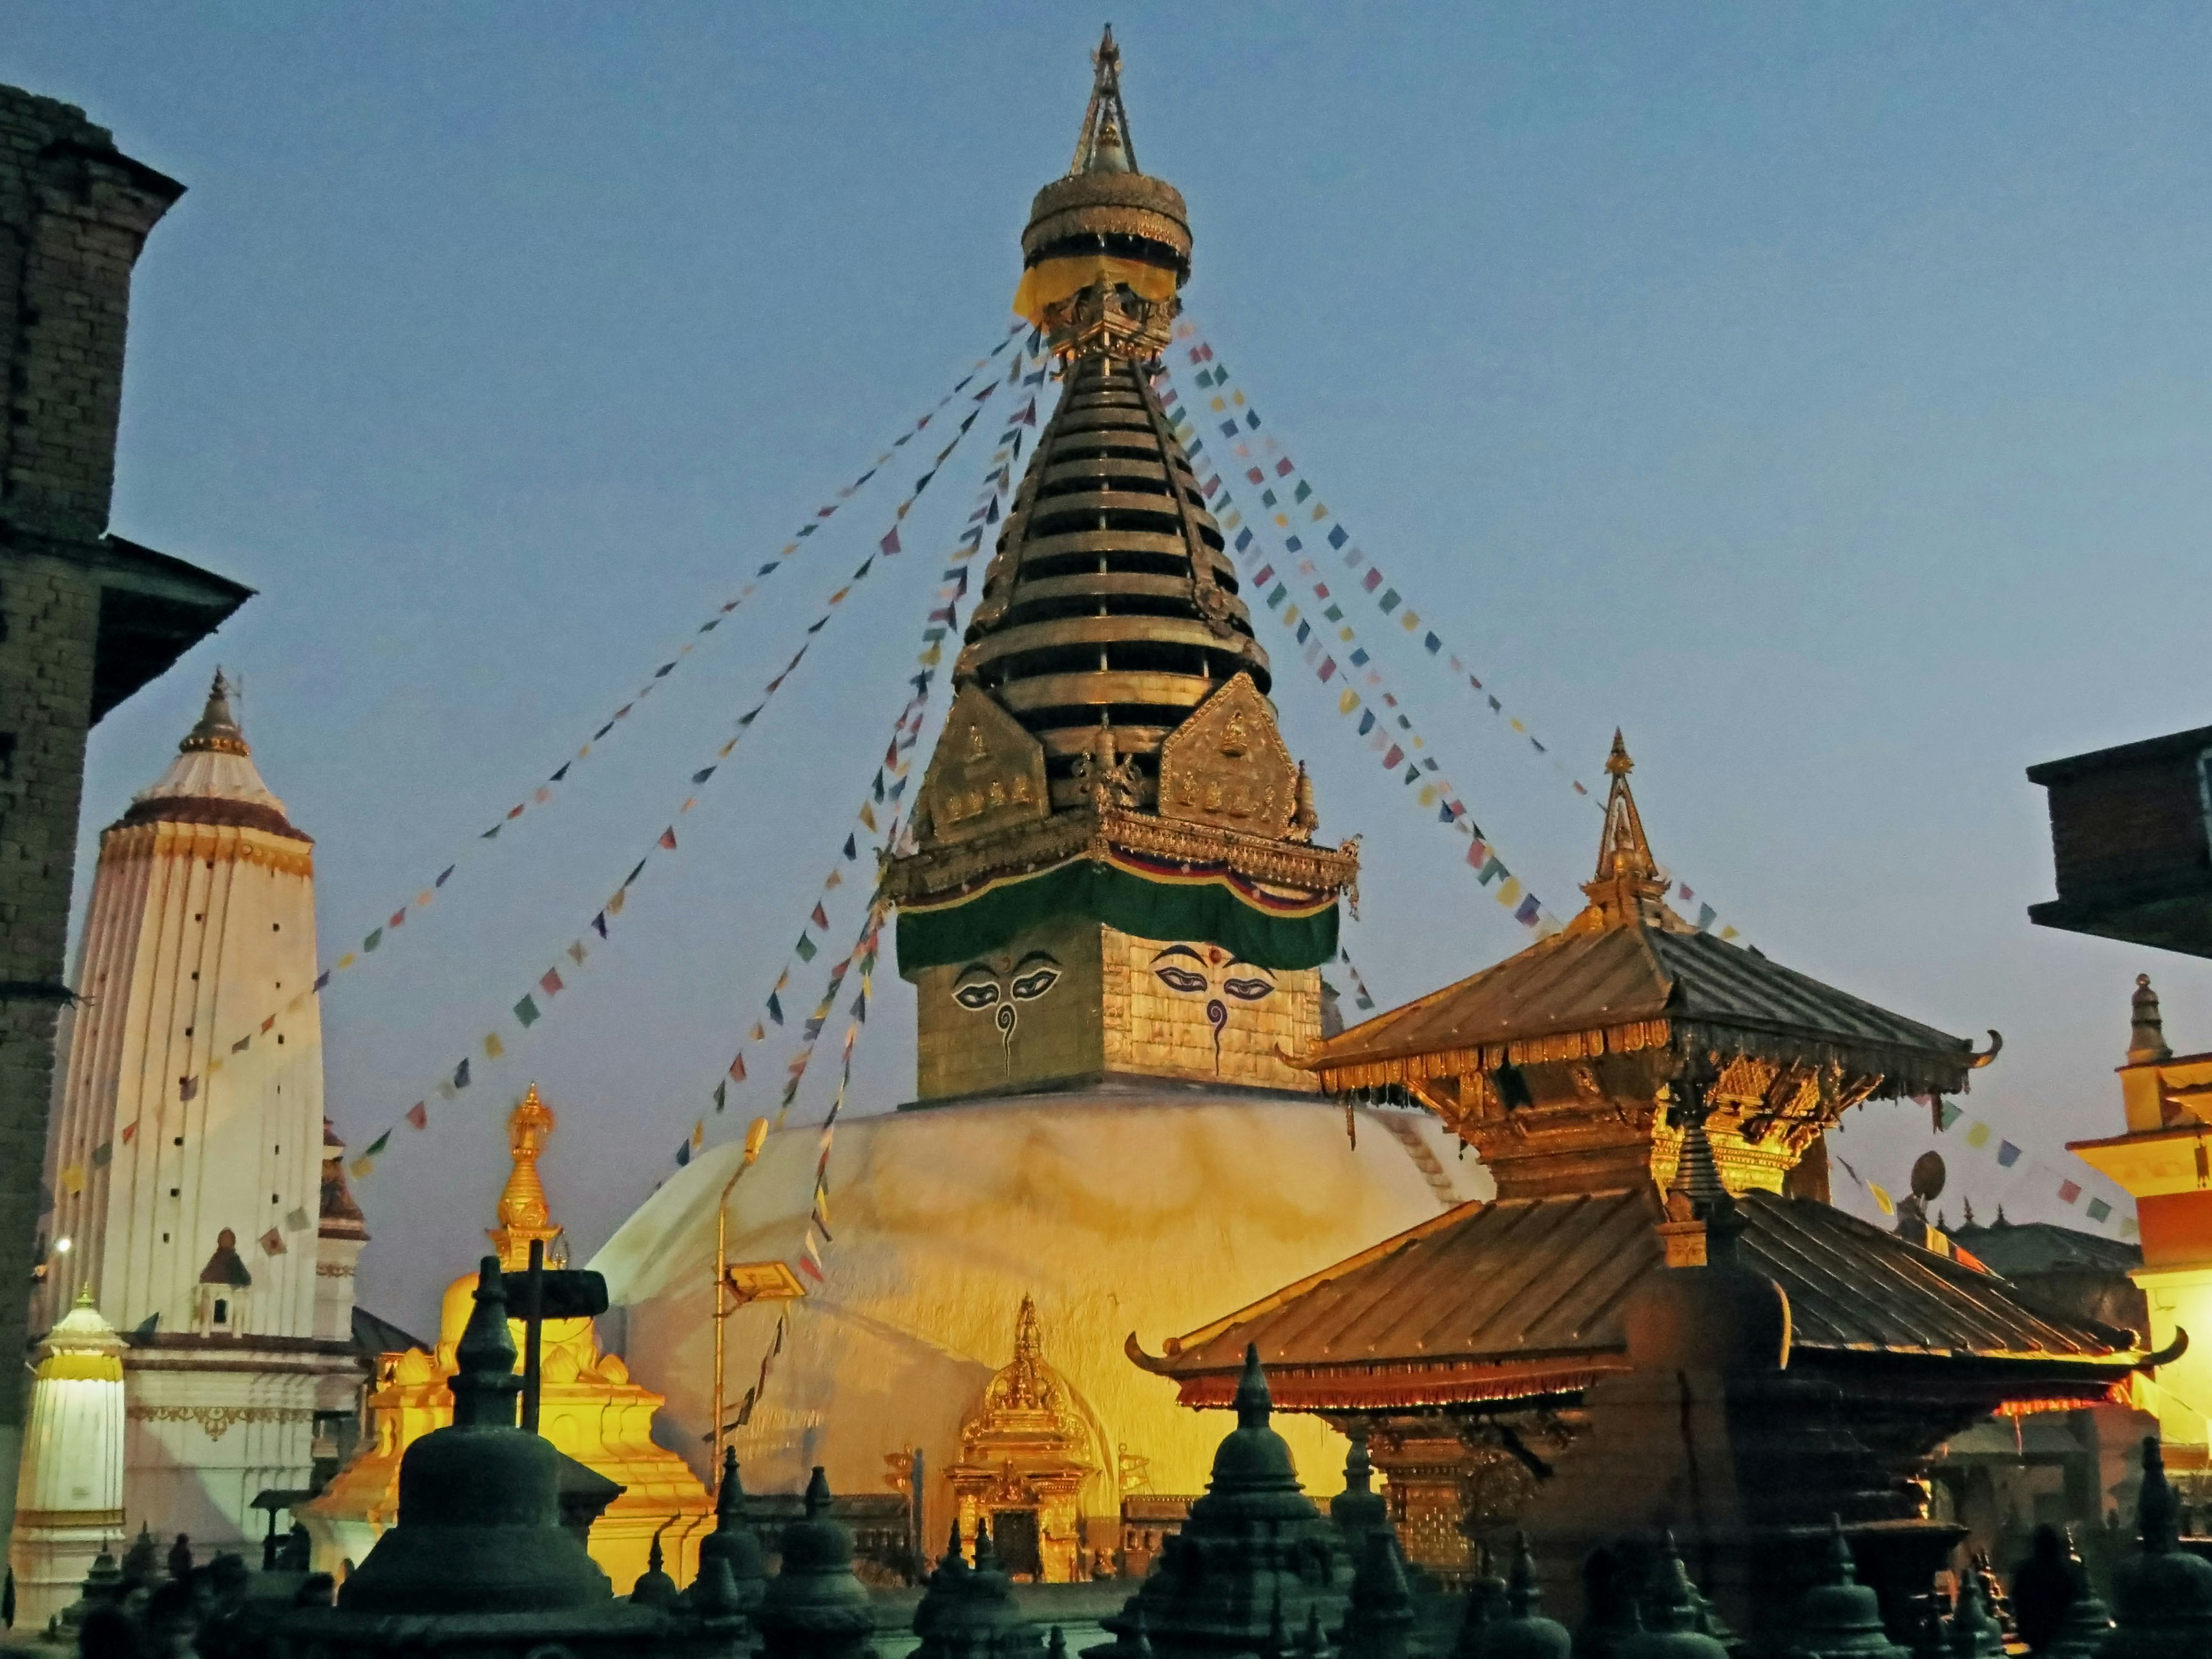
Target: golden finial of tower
[(1627, 887), (1106, 246), (524, 1214), (217, 732)]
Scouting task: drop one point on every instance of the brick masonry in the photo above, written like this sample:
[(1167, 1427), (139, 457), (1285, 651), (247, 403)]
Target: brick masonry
[(74, 213)]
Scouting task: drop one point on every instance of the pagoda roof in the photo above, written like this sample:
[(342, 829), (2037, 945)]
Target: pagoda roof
[(1521, 1300), (1627, 973)]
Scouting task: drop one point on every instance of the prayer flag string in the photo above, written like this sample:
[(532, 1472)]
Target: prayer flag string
[(222, 1050), (882, 828), (1291, 507), (1405, 753), (530, 1010)]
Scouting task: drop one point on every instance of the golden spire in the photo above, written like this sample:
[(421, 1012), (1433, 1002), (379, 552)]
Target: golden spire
[(1103, 144), (1628, 888), (1107, 247), (217, 732), (524, 1214)]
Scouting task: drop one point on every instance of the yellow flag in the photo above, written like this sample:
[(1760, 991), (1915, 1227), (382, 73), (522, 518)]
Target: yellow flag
[(493, 1047), (1348, 702), (73, 1179), (1508, 891), (1882, 1200), (360, 1167)]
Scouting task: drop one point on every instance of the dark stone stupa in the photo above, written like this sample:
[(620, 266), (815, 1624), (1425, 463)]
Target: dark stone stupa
[(1255, 1559), (479, 1562)]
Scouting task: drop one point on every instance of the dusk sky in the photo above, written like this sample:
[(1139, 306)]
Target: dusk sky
[(1821, 394)]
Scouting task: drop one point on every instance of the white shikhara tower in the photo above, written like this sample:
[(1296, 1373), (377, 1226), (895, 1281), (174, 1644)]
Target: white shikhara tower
[(187, 1158)]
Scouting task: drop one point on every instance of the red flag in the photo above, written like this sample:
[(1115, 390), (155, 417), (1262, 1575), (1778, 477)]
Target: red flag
[(550, 982), (273, 1243), (398, 916), (2068, 1191), (668, 838), (738, 1069), (821, 918), (418, 1116), (129, 1130), (890, 543), (806, 1265)]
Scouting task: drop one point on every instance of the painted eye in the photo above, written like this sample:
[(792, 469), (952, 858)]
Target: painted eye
[(1248, 990), (977, 997), (1181, 979), (1028, 987)]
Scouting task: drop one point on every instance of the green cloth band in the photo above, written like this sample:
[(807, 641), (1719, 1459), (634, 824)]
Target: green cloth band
[(1207, 911)]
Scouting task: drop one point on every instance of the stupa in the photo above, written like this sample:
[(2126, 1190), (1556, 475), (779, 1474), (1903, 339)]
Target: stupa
[(1114, 915), (590, 1408), (69, 1499)]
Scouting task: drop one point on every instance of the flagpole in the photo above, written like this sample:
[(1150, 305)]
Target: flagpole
[(754, 1138)]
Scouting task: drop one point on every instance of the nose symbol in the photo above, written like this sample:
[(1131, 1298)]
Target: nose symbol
[(1217, 1016)]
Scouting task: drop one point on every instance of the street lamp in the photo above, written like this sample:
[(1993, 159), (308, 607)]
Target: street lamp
[(739, 1283)]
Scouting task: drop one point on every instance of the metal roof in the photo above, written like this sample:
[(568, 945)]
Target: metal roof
[(1584, 981), (1532, 1289)]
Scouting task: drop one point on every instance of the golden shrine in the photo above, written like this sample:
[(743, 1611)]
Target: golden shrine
[(1025, 1451), (590, 1408), (2164, 1163)]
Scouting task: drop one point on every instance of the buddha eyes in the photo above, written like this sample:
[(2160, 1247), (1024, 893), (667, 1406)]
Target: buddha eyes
[(1247, 990), (1181, 979), (1027, 988), (977, 997)]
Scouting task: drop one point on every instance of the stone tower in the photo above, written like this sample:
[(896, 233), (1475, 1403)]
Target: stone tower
[(187, 1156), (1115, 872)]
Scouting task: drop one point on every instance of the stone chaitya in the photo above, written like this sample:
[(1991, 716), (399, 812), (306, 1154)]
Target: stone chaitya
[(479, 1560), (1255, 1559)]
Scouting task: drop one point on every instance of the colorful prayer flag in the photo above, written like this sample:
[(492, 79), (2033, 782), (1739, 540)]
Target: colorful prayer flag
[(418, 1115), (526, 1012), (550, 982), (668, 839), (2008, 1155)]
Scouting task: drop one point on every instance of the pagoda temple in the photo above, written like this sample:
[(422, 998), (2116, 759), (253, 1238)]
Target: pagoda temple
[(1114, 912), (1471, 1346)]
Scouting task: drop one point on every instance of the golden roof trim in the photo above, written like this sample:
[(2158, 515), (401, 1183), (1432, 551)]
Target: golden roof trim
[(939, 873)]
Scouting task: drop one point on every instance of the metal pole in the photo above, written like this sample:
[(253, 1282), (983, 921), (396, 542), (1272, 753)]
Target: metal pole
[(753, 1138), (533, 1326), (722, 1280)]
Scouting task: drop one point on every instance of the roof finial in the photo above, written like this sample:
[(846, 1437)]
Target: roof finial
[(1628, 888), (523, 1213), (1254, 1405), (218, 730), (1104, 145), (2147, 1037)]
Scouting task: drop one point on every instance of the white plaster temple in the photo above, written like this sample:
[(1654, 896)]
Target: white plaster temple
[(186, 1159), (69, 1499)]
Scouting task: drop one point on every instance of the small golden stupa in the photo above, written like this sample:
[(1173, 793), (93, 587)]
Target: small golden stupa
[(590, 1409)]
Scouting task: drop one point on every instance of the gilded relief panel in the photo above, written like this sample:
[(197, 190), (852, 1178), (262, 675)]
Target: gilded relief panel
[(1227, 765), (1186, 1008), (1020, 1016), (987, 772)]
